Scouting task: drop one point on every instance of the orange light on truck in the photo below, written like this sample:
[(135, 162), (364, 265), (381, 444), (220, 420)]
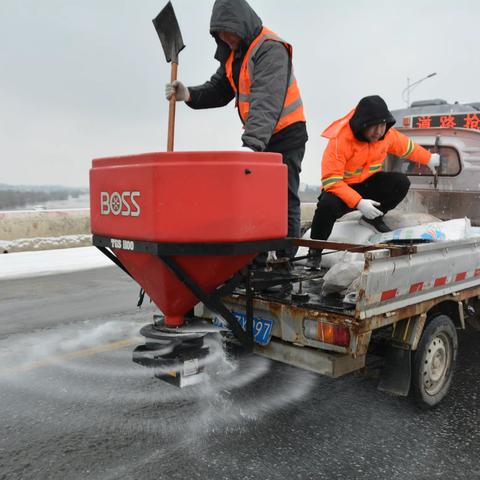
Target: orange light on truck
[(326, 332), (407, 121)]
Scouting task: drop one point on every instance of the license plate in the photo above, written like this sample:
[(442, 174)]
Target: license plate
[(261, 328)]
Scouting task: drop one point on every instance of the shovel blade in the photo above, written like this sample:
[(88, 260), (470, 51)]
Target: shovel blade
[(168, 31)]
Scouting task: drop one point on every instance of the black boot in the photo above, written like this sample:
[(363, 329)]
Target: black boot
[(377, 223), (313, 263)]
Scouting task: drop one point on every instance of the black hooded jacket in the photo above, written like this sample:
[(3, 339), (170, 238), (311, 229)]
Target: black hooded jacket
[(269, 82), (370, 110)]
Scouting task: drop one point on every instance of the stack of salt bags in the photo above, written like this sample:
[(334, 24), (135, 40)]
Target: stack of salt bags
[(345, 268), (349, 230), (456, 229)]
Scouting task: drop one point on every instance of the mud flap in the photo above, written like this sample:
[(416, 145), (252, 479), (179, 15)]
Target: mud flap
[(397, 372)]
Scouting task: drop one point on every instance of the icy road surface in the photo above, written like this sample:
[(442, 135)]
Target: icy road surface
[(73, 405)]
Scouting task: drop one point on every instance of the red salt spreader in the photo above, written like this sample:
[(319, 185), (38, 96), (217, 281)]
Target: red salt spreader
[(186, 226)]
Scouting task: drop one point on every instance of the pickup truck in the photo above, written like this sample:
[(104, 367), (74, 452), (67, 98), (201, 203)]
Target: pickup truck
[(411, 299)]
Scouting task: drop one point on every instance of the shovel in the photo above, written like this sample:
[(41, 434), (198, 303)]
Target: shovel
[(168, 31)]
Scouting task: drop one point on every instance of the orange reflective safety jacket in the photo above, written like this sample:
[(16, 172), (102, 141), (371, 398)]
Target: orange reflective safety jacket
[(292, 111), (347, 160)]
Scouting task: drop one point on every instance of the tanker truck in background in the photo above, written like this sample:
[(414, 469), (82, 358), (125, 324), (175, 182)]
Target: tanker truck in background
[(453, 131)]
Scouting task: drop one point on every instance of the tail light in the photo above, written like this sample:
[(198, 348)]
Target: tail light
[(326, 332), (407, 121)]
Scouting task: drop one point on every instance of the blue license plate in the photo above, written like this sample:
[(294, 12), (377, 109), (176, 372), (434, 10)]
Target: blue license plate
[(261, 328)]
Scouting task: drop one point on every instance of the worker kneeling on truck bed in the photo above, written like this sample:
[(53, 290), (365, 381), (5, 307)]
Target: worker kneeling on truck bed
[(352, 176)]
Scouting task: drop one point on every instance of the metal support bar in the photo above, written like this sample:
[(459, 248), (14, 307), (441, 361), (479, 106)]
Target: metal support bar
[(461, 315), (231, 285), (212, 301), (407, 332), (261, 284), (249, 304), (418, 330), (114, 259), (352, 247), (197, 249)]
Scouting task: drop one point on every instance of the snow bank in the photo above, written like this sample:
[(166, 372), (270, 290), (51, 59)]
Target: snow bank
[(35, 264), (44, 243)]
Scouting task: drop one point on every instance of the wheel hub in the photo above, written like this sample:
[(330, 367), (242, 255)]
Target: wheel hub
[(436, 364)]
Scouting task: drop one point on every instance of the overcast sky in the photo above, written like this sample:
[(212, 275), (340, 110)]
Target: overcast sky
[(81, 79)]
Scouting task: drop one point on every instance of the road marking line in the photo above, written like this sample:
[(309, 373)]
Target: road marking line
[(55, 360)]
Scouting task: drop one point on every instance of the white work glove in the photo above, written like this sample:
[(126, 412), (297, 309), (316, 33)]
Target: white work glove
[(369, 208), (178, 89), (434, 162), (245, 149)]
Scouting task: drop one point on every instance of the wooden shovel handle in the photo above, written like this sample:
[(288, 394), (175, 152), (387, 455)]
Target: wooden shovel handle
[(171, 111)]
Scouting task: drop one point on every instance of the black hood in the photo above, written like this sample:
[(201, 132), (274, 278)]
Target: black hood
[(233, 16), (370, 111)]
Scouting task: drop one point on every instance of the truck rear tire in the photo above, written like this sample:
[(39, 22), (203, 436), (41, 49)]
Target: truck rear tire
[(434, 362)]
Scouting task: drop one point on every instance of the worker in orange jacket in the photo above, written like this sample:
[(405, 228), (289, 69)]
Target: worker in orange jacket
[(352, 176)]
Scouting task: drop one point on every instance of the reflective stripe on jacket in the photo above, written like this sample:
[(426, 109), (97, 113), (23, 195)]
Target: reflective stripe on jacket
[(347, 160), (292, 111)]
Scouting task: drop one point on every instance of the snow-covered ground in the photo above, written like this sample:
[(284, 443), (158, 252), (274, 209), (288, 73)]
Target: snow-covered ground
[(48, 262), (45, 243)]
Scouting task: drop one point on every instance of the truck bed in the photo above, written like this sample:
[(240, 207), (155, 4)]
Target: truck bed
[(305, 291), (393, 277), (395, 285)]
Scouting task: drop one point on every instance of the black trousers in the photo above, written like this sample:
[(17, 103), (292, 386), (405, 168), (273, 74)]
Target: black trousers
[(293, 160), (388, 188)]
